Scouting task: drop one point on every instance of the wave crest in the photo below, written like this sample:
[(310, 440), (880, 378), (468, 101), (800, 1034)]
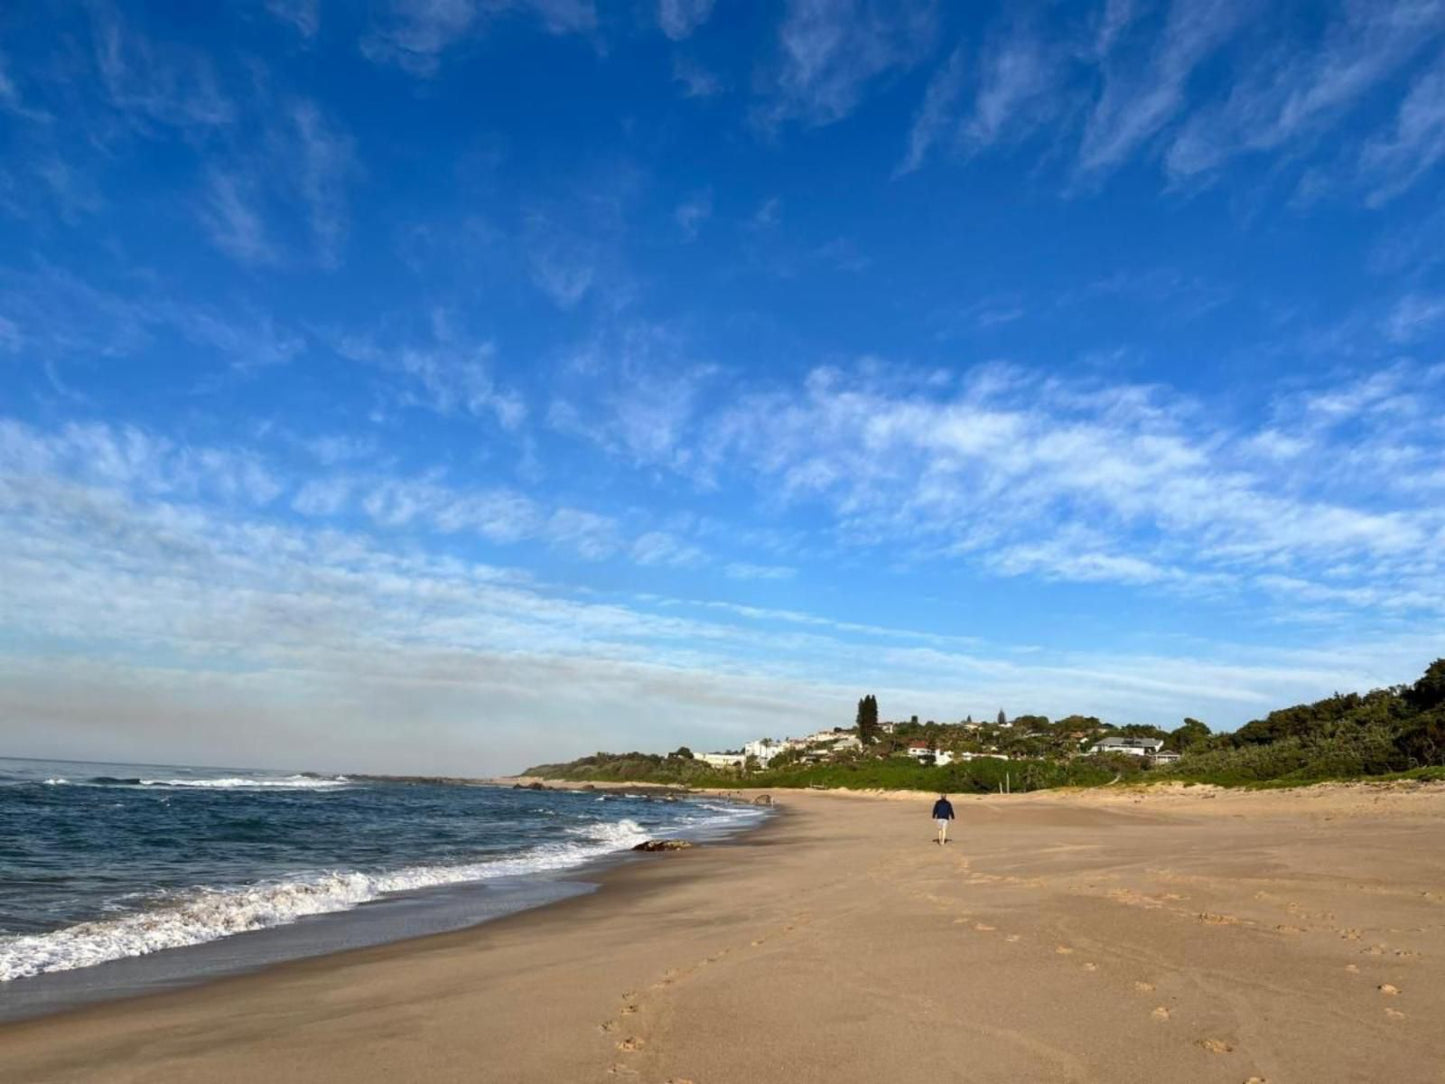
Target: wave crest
[(209, 914)]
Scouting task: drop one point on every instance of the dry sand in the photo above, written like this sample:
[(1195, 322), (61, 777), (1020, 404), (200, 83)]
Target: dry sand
[(1110, 936)]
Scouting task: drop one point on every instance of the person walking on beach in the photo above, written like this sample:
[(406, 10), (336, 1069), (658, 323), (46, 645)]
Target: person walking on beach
[(942, 814)]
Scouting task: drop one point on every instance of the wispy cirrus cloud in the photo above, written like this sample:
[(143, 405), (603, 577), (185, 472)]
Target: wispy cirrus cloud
[(679, 19), (443, 370), (936, 120), (170, 567), (414, 34), (304, 15), (633, 390), (156, 82), (1124, 484), (1145, 90), (1282, 101), (829, 53), (298, 171), (1395, 162)]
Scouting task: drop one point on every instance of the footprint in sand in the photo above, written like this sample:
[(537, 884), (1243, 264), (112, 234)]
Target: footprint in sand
[(1012, 937), (621, 1070), (1216, 1046), (1161, 1013), (1144, 987), (1256, 1080), (1389, 989), (1352, 969), (1064, 950), (1091, 967), (983, 927), (1394, 1014), (608, 1025), (628, 1010), (630, 1044)]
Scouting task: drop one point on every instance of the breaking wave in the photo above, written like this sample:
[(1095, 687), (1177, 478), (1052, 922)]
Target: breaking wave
[(208, 914), (233, 782)]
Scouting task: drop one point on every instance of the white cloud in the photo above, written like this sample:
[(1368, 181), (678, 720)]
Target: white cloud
[(633, 390), (156, 581), (936, 119), (696, 80), (1414, 316), (1020, 87), (233, 221), (1397, 162), (322, 162), (742, 570), (414, 34), (304, 15), (680, 18), (693, 212), (1123, 484), (1289, 97), (830, 51), (663, 548), (563, 262), (1140, 99), (156, 83), (445, 371)]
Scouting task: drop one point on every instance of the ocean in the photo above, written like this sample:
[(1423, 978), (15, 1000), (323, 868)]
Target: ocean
[(115, 878)]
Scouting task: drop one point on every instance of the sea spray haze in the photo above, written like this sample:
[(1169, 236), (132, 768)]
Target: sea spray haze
[(103, 862)]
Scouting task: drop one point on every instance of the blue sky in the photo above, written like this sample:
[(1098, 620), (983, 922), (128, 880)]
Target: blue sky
[(447, 385)]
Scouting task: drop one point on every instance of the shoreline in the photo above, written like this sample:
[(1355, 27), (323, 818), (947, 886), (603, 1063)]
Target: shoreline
[(1059, 939), (393, 918)]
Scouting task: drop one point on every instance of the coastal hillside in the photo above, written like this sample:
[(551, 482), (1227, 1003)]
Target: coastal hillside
[(1391, 731)]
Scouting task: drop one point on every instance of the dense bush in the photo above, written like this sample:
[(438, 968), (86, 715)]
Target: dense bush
[(1400, 729)]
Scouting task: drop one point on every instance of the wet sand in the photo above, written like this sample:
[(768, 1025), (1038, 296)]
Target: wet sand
[(1190, 935)]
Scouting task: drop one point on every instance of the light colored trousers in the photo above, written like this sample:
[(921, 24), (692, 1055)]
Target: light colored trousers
[(943, 829)]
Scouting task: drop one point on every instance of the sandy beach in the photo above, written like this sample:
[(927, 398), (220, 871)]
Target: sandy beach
[(1187, 935)]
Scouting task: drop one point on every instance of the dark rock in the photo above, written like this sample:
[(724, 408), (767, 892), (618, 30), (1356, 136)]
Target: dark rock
[(663, 845)]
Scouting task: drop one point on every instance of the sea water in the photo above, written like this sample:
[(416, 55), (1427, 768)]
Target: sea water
[(101, 864)]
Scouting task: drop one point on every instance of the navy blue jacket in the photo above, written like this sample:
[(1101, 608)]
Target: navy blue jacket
[(942, 810)]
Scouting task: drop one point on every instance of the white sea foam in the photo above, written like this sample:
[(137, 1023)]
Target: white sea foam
[(230, 782), (292, 782), (210, 914)]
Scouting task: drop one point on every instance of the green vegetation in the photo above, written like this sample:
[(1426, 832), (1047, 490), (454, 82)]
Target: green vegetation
[(1388, 734), (1347, 736), (867, 722)]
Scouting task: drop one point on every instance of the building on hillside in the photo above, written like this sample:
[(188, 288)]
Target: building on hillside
[(981, 756), (1165, 756), (722, 760), (763, 748), (1136, 747)]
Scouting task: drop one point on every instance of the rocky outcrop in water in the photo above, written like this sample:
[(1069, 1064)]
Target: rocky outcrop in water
[(663, 845)]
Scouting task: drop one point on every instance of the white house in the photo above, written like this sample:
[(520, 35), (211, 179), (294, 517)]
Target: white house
[(1165, 756), (1136, 747), (721, 760), (763, 748)]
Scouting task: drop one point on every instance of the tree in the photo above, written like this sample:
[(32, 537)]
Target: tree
[(1429, 691), (682, 753), (1187, 735), (1002, 718), (868, 719)]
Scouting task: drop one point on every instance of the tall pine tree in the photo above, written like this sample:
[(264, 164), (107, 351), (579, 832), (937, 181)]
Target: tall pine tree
[(868, 719)]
